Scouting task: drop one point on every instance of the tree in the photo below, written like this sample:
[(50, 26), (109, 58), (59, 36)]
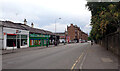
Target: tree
[(105, 18)]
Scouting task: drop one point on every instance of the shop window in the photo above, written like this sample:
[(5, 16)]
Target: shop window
[(39, 42), (31, 42), (23, 36), (11, 36), (44, 41), (18, 36), (23, 40), (11, 40), (36, 43)]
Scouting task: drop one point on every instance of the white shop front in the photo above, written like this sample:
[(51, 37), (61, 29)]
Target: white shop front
[(15, 38)]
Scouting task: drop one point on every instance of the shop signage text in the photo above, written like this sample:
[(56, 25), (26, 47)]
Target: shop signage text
[(38, 35)]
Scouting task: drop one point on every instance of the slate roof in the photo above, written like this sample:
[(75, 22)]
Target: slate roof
[(10, 24)]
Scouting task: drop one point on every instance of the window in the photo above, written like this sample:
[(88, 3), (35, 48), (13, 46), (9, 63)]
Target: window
[(23, 40), (31, 42), (44, 41), (11, 36), (39, 42), (11, 40), (23, 36)]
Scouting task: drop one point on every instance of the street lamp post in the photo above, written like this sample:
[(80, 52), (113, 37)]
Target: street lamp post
[(55, 31), (55, 23)]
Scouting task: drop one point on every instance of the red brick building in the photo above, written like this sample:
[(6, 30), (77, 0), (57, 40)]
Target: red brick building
[(84, 36), (76, 33)]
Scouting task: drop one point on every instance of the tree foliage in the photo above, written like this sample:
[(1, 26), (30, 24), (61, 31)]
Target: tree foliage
[(105, 18)]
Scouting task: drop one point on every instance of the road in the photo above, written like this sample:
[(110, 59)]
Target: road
[(70, 56)]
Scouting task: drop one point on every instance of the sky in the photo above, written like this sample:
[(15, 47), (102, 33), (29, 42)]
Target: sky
[(46, 13)]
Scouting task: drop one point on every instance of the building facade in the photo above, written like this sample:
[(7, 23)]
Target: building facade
[(14, 35), (18, 35), (15, 38), (75, 33), (1, 36), (84, 36), (63, 37), (39, 40)]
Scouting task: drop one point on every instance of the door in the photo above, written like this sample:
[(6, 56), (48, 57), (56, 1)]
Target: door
[(18, 43)]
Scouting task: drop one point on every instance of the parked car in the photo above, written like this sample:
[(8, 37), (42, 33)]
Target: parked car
[(82, 41)]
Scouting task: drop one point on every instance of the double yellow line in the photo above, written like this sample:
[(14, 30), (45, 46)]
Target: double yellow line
[(77, 61), (80, 57)]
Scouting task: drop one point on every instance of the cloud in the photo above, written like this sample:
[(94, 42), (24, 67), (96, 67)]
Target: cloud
[(43, 13), (59, 27), (87, 28)]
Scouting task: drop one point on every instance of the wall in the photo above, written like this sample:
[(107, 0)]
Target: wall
[(111, 42), (84, 36), (1, 37), (1, 46), (71, 32)]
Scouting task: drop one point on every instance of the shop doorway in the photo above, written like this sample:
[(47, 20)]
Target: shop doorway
[(18, 43)]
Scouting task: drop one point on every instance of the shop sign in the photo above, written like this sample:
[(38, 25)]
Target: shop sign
[(38, 35)]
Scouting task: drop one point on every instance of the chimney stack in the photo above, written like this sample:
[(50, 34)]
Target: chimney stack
[(71, 24), (32, 25), (25, 21)]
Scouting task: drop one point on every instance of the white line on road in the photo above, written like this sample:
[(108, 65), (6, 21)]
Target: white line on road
[(81, 65), (77, 61)]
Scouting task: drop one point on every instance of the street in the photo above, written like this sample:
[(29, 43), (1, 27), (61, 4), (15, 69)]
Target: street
[(69, 56)]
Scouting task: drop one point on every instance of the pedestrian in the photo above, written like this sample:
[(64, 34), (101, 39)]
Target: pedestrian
[(91, 42)]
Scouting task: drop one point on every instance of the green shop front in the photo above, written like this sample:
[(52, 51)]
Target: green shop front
[(37, 40)]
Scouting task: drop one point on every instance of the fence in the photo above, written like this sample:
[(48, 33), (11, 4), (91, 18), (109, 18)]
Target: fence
[(111, 42)]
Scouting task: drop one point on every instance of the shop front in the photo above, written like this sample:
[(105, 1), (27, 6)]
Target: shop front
[(15, 38), (37, 40)]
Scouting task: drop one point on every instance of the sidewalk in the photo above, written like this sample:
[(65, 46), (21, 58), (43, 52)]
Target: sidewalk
[(99, 58), (26, 49)]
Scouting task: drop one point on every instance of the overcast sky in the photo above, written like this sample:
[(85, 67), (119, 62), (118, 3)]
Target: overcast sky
[(44, 13)]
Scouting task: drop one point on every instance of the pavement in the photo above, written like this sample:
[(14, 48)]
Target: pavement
[(70, 56)]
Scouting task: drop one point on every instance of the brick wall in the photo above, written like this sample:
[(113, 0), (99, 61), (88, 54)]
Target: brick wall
[(71, 32), (84, 36)]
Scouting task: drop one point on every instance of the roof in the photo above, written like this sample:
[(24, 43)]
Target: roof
[(10, 24)]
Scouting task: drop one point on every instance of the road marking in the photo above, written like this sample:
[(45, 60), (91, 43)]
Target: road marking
[(81, 65), (77, 61), (83, 53)]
